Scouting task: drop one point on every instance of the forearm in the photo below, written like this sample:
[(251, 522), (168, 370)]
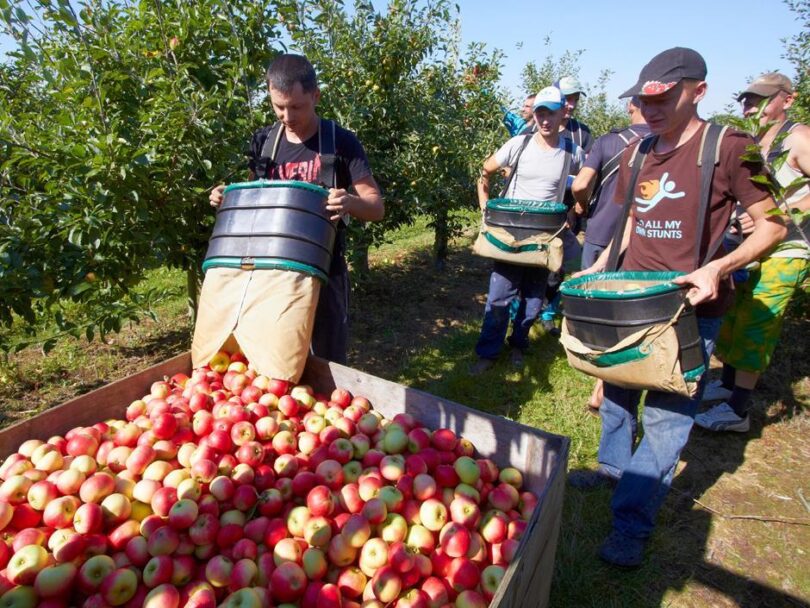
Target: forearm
[(483, 190), (369, 208)]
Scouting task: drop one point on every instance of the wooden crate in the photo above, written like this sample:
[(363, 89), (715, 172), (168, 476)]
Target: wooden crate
[(541, 456)]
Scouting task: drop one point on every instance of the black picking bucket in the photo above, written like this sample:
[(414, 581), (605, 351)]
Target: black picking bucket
[(604, 308), (524, 218), (273, 224)]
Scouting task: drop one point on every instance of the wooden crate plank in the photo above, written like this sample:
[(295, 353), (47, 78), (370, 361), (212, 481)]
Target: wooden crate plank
[(107, 402)]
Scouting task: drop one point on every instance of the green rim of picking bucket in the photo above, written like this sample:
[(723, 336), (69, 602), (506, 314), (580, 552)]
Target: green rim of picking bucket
[(265, 264), (271, 183), (578, 287), (517, 205), (509, 249)]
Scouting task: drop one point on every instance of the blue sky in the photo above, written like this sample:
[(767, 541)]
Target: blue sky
[(739, 39)]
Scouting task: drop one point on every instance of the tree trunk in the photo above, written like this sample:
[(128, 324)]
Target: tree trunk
[(193, 292), (440, 240)]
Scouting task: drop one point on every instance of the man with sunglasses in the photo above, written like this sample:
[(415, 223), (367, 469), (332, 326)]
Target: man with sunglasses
[(751, 328)]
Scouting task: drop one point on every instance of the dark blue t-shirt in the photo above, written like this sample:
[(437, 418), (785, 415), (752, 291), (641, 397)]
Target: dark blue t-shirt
[(606, 213)]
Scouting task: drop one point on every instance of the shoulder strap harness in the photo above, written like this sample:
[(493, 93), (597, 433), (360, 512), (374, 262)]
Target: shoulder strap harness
[(708, 159), (326, 151)]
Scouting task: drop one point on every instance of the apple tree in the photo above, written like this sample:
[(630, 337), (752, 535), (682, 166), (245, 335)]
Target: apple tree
[(116, 118), (397, 79)]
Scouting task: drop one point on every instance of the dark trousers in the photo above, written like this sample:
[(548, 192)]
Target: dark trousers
[(508, 284), (330, 336)]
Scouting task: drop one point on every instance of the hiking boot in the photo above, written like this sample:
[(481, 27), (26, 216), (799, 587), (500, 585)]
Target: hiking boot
[(516, 357), (592, 480), (621, 550), (723, 418), (480, 366), (715, 391), (550, 327)]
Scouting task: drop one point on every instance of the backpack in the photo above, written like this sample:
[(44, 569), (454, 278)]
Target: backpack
[(326, 151), (610, 168)]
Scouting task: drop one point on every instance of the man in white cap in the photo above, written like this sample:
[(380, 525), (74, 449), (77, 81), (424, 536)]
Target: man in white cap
[(537, 162), (573, 129), (665, 190), (751, 328)]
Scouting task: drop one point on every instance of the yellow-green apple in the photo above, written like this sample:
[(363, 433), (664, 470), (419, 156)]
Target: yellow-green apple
[(246, 597), (14, 490), (189, 489), (243, 474), (28, 446), (511, 476), (233, 516), (491, 577), (393, 499), (387, 584), (314, 563), (116, 509), (288, 582), (25, 564), (55, 581), (393, 529), (433, 514), (395, 440), (412, 598), (69, 481), (318, 532), (21, 596), (373, 555), (470, 598), (41, 493), (47, 458), (467, 470), (93, 571), (369, 487), (175, 477), (183, 513), (220, 362), (85, 464), (162, 596), (158, 470), (296, 519), (420, 538), (287, 550), (145, 489), (392, 467)]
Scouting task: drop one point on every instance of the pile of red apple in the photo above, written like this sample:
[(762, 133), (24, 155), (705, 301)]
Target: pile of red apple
[(233, 489)]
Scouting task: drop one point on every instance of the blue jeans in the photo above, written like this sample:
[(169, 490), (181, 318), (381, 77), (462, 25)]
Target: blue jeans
[(508, 284), (647, 472)]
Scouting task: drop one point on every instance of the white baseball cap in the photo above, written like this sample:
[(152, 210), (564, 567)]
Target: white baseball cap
[(550, 97)]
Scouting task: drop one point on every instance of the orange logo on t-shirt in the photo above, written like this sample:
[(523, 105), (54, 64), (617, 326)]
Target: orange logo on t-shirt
[(653, 191)]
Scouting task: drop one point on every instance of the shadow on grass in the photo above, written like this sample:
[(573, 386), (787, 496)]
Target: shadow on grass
[(418, 326)]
